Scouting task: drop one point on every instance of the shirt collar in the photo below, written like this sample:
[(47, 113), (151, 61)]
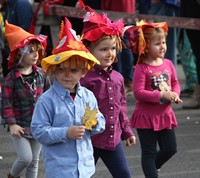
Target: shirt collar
[(18, 74), (99, 69), (63, 92)]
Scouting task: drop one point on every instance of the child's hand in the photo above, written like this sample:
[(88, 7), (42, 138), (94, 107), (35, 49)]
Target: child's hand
[(131, 141), (76, 132), (171, 96), (176, 98), (16, 130), (167, 95)]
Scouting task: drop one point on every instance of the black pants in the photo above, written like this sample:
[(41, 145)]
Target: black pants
[(157, 148)]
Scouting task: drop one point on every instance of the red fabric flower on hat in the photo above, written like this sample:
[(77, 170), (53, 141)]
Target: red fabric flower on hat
[(95, 25)]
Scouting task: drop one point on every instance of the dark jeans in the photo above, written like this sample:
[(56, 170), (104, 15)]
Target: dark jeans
[(152, 157), (115, 161)]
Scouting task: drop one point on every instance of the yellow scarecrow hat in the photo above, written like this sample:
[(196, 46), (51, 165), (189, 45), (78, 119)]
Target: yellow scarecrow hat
[(67, 46)]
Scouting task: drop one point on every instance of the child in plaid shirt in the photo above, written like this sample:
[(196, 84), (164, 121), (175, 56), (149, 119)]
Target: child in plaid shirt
[(20, 90)]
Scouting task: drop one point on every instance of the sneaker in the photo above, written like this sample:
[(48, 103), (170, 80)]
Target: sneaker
[(128, 87), (128, 90), (186, 92)]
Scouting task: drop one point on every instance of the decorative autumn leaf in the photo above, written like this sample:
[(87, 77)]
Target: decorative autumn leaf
[(61, 34), (89, 118), (76, 45), (140, 23)]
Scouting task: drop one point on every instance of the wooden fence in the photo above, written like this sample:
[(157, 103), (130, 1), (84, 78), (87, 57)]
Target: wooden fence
[(176, 22)]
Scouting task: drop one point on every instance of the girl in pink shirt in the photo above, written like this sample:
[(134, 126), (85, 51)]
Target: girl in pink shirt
[(155, 87)]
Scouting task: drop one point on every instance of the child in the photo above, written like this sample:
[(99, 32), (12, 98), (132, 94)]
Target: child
[(60, 114), (21, 89), (102, 37), (155, 86)]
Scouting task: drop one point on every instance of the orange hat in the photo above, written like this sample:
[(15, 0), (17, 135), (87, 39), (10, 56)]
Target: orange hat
[(136, 37), (67, 46), (18, 38), (95, 25)]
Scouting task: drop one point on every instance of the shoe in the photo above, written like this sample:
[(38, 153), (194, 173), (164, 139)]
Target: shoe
[(128, 90), (128, 87), (10, 176), (194, 101), (186, 92)]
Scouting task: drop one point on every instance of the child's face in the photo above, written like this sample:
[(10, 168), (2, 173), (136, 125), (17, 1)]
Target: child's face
[(30, 55), (30, 59), (157, 47), (69, 78), (105, 52)]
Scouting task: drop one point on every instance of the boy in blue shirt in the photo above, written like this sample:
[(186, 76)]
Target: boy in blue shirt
[(60, 114)]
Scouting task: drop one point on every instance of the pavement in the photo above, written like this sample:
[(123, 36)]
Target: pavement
[(185, 163)]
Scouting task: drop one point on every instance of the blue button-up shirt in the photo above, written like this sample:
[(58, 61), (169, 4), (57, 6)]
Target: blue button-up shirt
[(54, 113)]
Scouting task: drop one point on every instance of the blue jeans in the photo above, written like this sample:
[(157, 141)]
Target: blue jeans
[(115, 161), (153, 158)]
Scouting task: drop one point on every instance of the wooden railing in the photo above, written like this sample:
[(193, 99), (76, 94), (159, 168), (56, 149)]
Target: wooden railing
[(176, 22)]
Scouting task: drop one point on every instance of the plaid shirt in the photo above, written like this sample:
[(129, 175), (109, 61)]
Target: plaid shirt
[(18, 100)]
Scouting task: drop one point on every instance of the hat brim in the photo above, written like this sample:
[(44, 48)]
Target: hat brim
[(63, 56), (40, 38)]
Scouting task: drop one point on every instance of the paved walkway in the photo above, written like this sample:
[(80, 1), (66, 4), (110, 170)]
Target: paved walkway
[(185, 164)]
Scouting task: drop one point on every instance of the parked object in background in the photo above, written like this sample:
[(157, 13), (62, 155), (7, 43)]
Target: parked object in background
[(191, 9), (188, 62)]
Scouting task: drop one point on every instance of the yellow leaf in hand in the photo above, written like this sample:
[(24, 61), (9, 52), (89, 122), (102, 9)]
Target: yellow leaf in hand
[(89, 118)]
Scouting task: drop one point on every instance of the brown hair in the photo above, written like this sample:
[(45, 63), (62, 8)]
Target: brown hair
[(149, 34), (35, 45), (119, 42)]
